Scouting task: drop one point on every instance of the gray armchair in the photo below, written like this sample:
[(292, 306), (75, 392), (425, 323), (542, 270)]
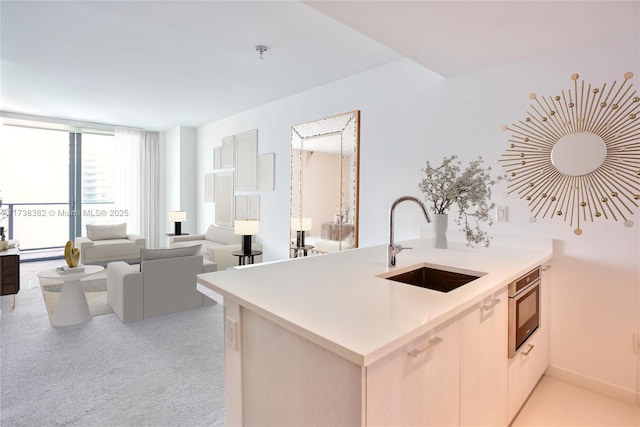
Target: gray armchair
[(164, 282)]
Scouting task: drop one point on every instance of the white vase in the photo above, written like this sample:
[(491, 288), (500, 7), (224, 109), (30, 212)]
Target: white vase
[(440, 224)]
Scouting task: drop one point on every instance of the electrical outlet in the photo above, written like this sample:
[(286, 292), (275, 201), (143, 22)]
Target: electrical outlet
[(502, 213), (231, 333)]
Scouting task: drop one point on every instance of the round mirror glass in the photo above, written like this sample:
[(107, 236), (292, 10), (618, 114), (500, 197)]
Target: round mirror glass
[(578, 153)]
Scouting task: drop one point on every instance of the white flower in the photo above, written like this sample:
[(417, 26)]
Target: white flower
[(469, 190)]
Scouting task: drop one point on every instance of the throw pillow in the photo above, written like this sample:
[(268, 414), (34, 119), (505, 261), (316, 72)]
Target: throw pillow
[(106, 232), (150, 254)]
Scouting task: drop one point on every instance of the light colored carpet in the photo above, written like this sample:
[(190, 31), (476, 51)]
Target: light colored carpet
[(94, 287), (164, 371)]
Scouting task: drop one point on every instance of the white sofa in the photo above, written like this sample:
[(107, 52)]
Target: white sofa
[(217, 245), (163, 283), (104, 243)]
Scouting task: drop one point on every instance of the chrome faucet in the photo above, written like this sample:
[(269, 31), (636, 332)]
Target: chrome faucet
[(393, 249)]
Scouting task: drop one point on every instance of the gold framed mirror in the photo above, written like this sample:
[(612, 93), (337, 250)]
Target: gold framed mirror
[(577, 155), (325, 169)]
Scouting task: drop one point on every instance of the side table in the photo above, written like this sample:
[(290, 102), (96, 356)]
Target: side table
[(301, 251), (73, 307), (243, 258)]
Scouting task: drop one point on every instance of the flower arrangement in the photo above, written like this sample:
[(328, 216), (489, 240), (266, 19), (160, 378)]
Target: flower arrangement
[(469, 189)]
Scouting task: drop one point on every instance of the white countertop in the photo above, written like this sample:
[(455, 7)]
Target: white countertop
[(336, 300)]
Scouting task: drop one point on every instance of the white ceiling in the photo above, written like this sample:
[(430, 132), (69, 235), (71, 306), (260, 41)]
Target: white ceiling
[(162, 64)]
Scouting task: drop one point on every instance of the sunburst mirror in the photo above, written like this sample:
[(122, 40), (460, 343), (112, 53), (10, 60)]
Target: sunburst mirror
[(576, 155)]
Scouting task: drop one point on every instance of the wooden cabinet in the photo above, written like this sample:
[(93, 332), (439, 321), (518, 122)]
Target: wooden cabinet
[(9, 272), (483, 363), (417, 385)]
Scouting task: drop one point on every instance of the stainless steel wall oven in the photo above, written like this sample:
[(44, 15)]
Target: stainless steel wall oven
[(524, 309)]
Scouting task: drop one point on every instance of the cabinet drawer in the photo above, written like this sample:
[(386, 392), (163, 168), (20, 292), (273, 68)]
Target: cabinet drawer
[(525, 369)]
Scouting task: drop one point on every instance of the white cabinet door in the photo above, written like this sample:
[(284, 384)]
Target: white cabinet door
[(421, 390), (483, 363)]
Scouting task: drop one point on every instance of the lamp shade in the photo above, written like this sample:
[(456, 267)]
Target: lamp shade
[(177, 216), (246, 227), (301, 224)]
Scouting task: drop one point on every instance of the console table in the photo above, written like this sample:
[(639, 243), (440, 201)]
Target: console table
[(10, 272), (335, 231)]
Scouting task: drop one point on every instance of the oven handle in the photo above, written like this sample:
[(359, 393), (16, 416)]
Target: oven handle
[(521, 293)]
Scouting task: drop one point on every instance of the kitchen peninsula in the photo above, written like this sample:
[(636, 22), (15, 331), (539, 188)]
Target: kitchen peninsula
[(325, 340)]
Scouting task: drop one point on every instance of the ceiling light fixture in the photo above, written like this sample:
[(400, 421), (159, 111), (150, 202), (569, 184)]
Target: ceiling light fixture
[(261, 49)]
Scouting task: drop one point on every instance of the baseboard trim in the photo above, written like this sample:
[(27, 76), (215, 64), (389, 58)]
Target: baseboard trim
[(592, 384)]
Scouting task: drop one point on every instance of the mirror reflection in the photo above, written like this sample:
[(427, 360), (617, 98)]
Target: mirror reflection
[(579, 153), (324, 185)]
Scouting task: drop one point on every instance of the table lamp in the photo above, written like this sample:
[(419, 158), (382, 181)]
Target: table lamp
[(246, 228), (300, 225), (178, 217)]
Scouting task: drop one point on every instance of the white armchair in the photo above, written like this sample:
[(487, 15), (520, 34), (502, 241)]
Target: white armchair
[(163, 283), (217, 245), (104, 243)]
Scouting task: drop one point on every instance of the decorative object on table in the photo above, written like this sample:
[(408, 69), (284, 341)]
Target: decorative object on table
[(2, 235), (177, 217), (469, 190), (300, 225), (246, 228), (440, 227), (65, 269), (71, 254), (575, 154)]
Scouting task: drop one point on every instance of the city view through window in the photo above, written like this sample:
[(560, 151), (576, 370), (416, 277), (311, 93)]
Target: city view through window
[(36, 178)]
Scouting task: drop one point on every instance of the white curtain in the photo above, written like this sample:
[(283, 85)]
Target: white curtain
[(136, 181), (150, 187)]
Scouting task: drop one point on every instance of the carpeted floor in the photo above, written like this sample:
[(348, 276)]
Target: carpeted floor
[(163, 371)]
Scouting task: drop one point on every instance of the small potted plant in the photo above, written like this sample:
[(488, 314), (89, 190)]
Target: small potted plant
[(470, 190)]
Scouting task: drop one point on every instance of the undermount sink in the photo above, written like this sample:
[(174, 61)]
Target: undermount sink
[(434, 278)]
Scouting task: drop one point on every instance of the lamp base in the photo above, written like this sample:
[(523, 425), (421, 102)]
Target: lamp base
[(300, 239), (177, 228), (246, 244)]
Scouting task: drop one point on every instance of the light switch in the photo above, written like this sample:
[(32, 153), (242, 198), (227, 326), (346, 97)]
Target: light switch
[(502, 214), (231, 333)]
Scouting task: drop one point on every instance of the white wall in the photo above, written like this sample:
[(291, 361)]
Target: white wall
[(180, 179), (410, 115)]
